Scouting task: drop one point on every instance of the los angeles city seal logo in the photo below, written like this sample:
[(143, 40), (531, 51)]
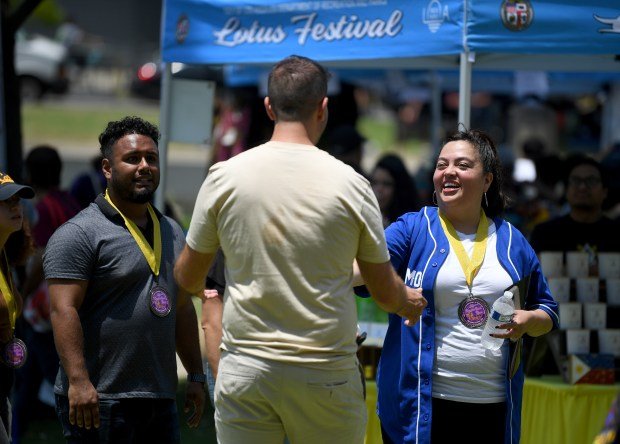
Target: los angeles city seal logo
[(517, 15)]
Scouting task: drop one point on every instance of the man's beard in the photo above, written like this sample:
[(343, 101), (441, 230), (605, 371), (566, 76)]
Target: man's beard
[(134, 196)]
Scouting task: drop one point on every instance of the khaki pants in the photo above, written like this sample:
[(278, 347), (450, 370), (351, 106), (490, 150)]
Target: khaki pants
[(260, 401)]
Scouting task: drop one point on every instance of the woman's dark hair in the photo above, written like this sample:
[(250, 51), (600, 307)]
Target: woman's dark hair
[(497, 201), (19, 246), (405, 198)]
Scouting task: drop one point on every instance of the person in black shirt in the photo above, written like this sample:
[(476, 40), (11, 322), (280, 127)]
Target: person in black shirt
[(585, 228)]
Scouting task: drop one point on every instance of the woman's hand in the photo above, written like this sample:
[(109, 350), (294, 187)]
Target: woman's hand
[(531, 322)]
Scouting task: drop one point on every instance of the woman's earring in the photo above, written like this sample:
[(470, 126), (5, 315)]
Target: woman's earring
[(434, 198), (486, 201)]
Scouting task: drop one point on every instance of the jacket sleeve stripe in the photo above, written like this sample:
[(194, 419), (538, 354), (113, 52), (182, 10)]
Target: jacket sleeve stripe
[(508, 253)]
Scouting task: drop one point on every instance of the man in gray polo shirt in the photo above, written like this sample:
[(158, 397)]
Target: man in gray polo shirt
[(117, 314)]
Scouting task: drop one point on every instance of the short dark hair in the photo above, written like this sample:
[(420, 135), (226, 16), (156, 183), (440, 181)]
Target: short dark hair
[(119, 128), (481, 141), (296, 87), (579, 159), (44, 166)]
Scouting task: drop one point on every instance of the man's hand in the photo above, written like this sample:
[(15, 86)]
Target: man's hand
[(83, 405), (194, 395), (413, 307)]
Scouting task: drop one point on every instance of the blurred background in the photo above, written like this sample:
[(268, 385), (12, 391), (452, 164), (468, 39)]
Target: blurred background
[(80, 67), (82, 64)]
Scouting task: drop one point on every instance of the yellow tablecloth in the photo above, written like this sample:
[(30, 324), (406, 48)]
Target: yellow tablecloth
[(373, 428), (553, 412)]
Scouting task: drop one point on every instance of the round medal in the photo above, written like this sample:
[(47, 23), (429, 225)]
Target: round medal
[(15, 353), (160, 302), (473, 312)]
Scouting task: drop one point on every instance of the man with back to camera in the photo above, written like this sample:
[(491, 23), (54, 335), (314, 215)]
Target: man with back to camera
[(290, 220), (117, 313)]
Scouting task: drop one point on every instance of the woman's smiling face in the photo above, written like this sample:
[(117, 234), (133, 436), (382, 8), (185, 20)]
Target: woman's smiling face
[(459, 178)]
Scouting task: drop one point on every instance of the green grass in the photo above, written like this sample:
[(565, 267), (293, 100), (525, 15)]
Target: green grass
[(49, 431), (383, 134), (81, 123)]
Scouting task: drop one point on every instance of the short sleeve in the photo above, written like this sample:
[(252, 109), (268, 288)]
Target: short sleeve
[(202, 234), (69, 254), (372, 247), (398, 238)]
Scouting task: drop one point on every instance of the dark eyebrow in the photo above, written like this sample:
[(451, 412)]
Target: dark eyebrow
[(458, 159), (127, 153)]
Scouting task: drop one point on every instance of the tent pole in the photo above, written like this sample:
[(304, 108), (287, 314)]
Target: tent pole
[(467, 60), (436, 124), (164, 129)]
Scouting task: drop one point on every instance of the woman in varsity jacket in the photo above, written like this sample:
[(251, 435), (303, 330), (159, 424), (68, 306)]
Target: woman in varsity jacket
[(436, 382)]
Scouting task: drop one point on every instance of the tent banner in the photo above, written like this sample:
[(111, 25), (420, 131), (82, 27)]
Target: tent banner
[(265, 31), (544, 27)]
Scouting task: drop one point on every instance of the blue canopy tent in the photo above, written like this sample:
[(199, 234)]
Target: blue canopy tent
[(551, 35), (344, 33)]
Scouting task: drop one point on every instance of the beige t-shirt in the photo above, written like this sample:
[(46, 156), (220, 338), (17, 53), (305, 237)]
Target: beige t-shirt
[(290, 220)]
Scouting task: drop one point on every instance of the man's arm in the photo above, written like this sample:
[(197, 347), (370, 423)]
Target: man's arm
[(188, 348), (190, 270), (212, 308), (390, 293), (66, 297)]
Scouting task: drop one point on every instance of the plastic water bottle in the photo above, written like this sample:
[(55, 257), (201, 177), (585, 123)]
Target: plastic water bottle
[(501, 312)]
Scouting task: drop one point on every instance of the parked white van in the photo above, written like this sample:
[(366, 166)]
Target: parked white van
[(41, 66)]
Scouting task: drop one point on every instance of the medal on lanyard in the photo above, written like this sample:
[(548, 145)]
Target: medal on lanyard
[(15, 352), (473, 310), (160, 302)]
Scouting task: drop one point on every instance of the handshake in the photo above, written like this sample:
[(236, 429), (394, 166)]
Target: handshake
[(389, 291), (412, 307)]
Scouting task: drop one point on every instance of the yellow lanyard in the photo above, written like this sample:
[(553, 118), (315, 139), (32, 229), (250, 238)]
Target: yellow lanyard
[(470, 266), (152, 257), (7, 293)]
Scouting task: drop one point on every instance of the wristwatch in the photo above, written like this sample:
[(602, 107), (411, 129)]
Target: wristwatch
[(197, 377)]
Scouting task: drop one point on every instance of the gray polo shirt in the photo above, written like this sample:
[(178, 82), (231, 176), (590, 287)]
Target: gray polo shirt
[(129, 351)]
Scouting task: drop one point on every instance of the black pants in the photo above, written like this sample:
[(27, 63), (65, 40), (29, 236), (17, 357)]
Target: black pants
[(465, 423), (125, 421)]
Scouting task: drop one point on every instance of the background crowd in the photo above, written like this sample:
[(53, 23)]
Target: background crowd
[(551, 197)]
